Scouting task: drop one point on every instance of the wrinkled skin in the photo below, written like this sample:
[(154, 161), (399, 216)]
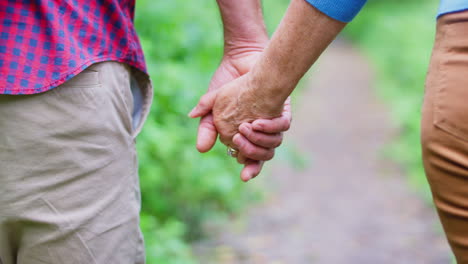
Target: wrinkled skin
[(236, 103), (256, 142), (234, 64)]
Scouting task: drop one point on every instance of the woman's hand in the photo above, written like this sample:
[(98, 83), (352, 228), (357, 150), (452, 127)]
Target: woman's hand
[(235, 63), (238, 103), (258, 140)]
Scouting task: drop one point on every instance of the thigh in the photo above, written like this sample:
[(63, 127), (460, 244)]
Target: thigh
[(69, 172), (445, 129)]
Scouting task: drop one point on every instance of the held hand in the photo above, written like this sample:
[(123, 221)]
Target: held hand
[(263, 135), (234, 64), (235, 104), (237, 62)]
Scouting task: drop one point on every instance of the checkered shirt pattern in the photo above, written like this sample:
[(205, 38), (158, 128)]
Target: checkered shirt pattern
[(44, 43)]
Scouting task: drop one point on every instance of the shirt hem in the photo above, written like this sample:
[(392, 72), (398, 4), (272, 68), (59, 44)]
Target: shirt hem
[(67, 76)]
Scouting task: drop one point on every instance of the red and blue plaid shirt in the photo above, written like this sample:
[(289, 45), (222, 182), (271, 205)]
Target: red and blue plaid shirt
[(43, 43)]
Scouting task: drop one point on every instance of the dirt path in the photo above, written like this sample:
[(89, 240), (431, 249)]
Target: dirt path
[(350, 206)]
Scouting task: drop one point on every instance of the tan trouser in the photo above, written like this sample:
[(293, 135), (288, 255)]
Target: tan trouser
[(69, 190), (445, 129)]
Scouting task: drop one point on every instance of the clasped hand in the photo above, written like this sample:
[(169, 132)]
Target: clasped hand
[(244, 120)]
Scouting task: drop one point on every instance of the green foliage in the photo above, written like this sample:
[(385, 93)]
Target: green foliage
[(183, 45), (398, 37), (181, 188)]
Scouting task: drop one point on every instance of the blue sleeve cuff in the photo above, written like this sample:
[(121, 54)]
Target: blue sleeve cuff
[(342, 10), (450, 6)]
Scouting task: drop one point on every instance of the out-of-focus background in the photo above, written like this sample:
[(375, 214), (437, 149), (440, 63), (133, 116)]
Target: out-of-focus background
[(346, 187)]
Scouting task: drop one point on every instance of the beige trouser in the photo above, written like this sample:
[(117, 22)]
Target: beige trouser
[(69, 189), (445, 129)]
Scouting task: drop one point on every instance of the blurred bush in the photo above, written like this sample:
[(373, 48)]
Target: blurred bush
[(398, 37), (183, 45), (181, 188)]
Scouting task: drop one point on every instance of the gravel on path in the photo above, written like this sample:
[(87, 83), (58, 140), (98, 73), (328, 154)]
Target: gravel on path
[(350, 205)]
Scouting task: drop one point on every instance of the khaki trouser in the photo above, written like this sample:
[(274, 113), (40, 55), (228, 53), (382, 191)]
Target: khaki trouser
[(69, 190), (445, 129)]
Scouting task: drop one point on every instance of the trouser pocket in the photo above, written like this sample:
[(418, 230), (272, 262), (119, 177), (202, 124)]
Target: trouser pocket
[(451, 99), (142, 91), (444, 129)]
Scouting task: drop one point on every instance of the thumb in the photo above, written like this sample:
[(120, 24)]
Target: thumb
[(205, 105), (206, 134)]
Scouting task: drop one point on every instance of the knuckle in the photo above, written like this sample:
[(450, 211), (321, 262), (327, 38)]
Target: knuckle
[(203, 104), (224, 130), (252, 136), (206, 125)]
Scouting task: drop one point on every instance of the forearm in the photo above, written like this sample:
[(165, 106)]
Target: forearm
[(302, 36), (244, 27)]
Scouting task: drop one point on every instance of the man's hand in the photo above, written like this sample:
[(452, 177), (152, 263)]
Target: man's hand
[(234, 109), (256, 140), (303, 34), (234, 64)]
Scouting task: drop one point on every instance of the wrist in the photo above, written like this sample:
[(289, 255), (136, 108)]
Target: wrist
[(270, 82), (242, 23), (239, 47), (270, 95)]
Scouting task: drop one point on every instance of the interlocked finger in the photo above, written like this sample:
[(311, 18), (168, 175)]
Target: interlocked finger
[(252, 151), (259, 138)]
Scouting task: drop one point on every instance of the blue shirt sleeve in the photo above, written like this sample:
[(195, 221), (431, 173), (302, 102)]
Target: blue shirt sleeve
[(342, 10), (449, 6)]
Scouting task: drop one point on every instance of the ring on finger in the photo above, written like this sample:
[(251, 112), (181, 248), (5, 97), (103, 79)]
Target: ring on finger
[(232, 152)]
